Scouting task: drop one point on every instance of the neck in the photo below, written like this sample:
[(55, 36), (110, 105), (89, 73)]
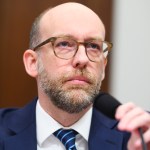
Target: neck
[(64, 118)]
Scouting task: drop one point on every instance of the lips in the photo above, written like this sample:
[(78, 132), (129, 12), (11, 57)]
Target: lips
[(78, 80)]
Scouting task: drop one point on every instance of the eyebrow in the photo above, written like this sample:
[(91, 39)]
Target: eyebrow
[(73, 37)]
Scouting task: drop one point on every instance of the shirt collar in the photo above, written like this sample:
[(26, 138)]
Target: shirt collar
[(46, 125)]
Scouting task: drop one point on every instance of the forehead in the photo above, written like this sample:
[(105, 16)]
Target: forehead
[(73, 19)]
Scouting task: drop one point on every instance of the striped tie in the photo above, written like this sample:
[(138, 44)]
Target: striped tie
[(67, 137)]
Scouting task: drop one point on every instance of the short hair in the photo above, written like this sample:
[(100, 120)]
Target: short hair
[(35, 31)]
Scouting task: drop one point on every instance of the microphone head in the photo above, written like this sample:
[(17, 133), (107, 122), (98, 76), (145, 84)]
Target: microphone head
[(106, 104)]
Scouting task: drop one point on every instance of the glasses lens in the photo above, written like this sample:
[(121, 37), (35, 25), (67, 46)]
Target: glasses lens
[(65, 47), (95, 49)]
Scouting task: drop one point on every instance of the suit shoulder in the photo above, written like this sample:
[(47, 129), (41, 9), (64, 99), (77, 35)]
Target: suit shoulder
[(4, 131), (4, 112)]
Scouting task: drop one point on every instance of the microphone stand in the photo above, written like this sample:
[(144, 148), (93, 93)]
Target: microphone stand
[(141, 135)]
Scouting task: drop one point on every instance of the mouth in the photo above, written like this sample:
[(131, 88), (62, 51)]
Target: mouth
[(78, 80)]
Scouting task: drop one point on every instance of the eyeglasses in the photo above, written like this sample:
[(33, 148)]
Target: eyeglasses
[(67, 47)]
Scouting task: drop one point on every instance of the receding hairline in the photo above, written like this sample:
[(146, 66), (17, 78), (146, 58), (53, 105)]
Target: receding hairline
[(74, 5), (51, 11)]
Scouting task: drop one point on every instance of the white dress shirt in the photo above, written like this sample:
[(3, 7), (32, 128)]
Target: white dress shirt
[(46, 126)]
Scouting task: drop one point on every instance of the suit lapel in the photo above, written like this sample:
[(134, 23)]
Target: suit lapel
[(103, 134), (24, 140), (22, 126)]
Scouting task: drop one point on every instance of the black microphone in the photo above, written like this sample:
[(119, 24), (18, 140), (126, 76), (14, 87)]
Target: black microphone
[(108, 105)]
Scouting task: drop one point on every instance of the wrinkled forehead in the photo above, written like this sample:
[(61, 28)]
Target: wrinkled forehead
[(70, 16)]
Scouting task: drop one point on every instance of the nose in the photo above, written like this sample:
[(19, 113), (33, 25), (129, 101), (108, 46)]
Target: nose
[(80, 59)]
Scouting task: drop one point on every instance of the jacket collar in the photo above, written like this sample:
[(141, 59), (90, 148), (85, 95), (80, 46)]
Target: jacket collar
[(104, 133)]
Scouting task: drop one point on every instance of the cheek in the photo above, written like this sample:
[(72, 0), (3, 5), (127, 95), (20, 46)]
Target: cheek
[(55, 66), (100, 69)]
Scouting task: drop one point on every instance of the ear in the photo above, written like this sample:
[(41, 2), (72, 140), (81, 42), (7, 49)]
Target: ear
[(30, 62), (105, 64)]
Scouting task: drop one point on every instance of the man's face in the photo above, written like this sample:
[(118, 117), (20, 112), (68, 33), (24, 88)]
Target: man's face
[(70, 84)]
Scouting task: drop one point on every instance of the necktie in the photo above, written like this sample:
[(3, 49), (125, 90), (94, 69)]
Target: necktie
[(67, 137)]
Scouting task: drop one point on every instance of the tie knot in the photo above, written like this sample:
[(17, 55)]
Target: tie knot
[(67, 137)]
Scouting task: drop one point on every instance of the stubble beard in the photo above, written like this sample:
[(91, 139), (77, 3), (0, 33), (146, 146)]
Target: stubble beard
[(69, 98)]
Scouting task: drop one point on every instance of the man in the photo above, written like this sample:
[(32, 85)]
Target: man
[(67, 57)]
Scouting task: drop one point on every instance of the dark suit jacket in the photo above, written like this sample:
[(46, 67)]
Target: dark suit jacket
[(18, 130)]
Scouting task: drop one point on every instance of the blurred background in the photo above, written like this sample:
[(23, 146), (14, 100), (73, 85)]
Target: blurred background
[(127, 26)]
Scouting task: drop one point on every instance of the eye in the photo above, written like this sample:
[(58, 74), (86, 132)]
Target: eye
[(63, 44), (94, 46)]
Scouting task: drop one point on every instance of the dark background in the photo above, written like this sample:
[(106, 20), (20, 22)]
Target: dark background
[(16, 17)]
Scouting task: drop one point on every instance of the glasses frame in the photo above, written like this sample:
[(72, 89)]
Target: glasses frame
[(53, 39)]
